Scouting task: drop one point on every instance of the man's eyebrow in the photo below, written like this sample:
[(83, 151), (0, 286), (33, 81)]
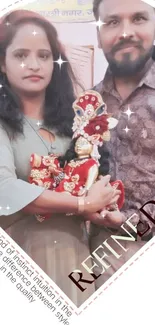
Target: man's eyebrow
[(116, 16), (111, 17), (141, 13)]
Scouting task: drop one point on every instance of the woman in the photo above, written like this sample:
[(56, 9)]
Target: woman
[(36, 115)]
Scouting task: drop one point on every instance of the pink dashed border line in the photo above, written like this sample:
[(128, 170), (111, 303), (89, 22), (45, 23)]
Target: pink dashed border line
[(136, 259), (11, 4), (120, 274)]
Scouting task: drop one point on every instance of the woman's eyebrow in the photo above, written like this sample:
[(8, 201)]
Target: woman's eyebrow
[(28, 50)]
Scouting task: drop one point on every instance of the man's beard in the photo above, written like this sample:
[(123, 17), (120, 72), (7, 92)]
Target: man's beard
[(128, 68)]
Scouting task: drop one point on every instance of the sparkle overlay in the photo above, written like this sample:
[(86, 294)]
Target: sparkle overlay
[(7, 23), (99, 23), (39, 123), (22, 64), (7, 208), (34, 33), (126, 129), (124, 35), (128, 112), (60, 61)]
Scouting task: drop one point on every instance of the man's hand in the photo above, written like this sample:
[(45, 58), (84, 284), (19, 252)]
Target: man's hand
[(101, 194), (112, 219)]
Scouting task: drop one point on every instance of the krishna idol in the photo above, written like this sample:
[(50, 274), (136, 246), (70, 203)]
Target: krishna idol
[(84, 161)]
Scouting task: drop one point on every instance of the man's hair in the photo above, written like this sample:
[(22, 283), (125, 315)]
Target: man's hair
[(96, 4)]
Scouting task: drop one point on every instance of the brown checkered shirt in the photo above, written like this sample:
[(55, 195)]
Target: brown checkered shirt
[(132, 153)]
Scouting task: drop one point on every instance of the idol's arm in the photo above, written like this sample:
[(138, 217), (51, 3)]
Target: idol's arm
[(92, 177)]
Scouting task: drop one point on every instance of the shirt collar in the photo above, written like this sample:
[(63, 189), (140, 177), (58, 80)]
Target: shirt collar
[(107, 84)]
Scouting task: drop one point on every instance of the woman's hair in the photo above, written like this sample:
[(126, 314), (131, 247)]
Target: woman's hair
[(60, 95), (71, 154)]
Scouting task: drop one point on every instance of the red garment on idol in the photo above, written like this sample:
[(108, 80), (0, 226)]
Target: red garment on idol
[(72, 178), (76, 174), (45, 171)]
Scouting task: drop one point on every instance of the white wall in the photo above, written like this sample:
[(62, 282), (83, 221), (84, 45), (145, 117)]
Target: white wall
[(84, 34)]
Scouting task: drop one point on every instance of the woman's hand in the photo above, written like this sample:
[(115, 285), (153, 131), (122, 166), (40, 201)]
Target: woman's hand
[(101, 194)]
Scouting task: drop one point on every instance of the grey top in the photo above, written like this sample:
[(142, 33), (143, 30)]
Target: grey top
[(57, 245)]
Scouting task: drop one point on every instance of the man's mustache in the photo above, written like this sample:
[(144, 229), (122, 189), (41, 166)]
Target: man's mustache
[(125, 43)]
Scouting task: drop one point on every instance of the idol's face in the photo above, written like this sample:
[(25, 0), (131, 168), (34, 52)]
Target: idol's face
[(83, 147), (28, 62), (128, 34)]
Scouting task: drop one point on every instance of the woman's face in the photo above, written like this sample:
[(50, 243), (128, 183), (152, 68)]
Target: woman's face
[(29, 61)]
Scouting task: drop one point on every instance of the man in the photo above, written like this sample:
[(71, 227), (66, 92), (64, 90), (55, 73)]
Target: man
[(126, 38)]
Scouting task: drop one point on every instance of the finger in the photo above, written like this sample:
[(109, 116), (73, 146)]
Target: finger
[(98, 219), (117, 193), (105, 179), (103, 214), (94, 217), (114, 220), (101, 219), (114, 200)]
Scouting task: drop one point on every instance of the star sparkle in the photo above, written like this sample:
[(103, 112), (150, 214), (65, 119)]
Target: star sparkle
[(6, 208), (39, 123), (124, 35), (34, 33), (60, 61), (126, 129), (7, 23), (128, 112), (1, 86), (22, 64), (99, 23)]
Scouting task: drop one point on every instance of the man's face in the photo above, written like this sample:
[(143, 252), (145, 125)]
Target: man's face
[(127, 36)]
